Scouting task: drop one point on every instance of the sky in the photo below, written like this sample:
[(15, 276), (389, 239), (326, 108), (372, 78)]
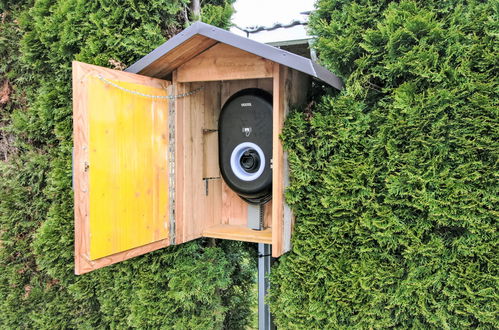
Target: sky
[(267, 12)]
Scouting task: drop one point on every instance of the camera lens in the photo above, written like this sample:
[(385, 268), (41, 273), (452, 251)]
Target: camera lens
[(250, 161)]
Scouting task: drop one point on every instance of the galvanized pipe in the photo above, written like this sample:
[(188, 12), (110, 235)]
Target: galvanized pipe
[(264, 262)]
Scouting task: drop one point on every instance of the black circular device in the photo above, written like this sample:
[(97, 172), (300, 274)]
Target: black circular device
[(245, 144)]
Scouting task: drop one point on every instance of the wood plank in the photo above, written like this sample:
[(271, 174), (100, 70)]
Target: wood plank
[(179, 161), (235, 210), (190, 175), (210, 130), (193, 180), (239, 233), (224, 62), (211, 169), (80, 174), (267, 215), (197, 190), (290, 88), (128, 167), (85, 265), (126, 77), (194, 207), (170, 61), (85, 75), (277, 161)]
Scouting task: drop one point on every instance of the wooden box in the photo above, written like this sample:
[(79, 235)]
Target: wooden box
[(146, 171)]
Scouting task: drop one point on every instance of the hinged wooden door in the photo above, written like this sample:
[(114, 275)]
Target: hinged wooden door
[(121, 166)]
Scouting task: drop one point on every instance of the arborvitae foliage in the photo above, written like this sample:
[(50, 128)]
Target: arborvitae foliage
[(217, 12), (394, 181), (194, 286)]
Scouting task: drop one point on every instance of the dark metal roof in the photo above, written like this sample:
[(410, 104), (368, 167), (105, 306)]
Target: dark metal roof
[(274, 54)]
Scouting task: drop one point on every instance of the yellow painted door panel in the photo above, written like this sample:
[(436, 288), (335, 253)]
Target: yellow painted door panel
[(121, 166), (128, 166)]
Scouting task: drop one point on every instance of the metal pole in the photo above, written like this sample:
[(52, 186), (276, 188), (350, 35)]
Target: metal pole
[(264, 263)]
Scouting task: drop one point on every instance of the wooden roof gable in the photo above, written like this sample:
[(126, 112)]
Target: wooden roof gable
[(200, 37)]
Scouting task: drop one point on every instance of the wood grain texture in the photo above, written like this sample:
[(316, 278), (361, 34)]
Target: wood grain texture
[(290, 89), (197, 155), (210, 127), (211, 168), (86, 265), (239, 233), (194, 188), (80, 175), (235, 210), (197, 158), (267, 215), (224, 62), (90, 205), (179, 161), (128, 167), (277, 161), (183, 53)]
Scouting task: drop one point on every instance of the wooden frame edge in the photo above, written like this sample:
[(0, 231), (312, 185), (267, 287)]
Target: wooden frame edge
[(86, 265), (277, 161), (80, 176), (179, 160)]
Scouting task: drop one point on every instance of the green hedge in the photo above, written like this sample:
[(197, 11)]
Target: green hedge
[(394, 181), (196, 286)]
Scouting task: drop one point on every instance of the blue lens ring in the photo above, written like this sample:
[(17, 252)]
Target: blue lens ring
[(235, 161)]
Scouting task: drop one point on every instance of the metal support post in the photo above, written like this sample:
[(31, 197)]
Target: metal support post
[(264, 263)]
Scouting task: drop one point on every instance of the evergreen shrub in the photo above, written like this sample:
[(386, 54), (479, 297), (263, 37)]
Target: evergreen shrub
[(199, 285), (394, 181)]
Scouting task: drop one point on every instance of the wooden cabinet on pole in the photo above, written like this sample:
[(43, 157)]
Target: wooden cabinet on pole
[(146, 165)]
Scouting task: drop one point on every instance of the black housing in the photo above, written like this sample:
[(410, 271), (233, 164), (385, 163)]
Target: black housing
[(247, 110)]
